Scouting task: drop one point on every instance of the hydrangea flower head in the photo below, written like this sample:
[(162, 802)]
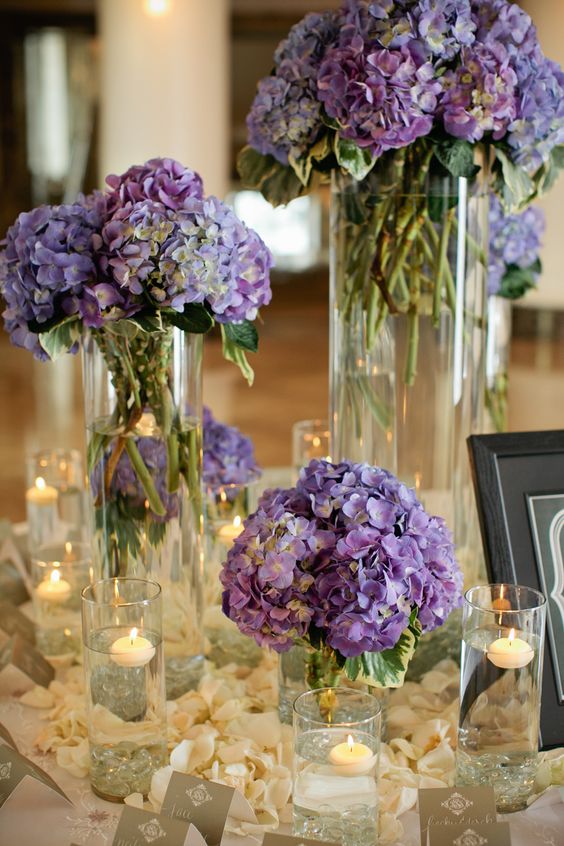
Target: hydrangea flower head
[(515, 239), (48, 259), (350, 550), (165, 181), (229, 456)]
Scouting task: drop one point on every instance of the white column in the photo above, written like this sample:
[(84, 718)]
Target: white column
[(164, 85)]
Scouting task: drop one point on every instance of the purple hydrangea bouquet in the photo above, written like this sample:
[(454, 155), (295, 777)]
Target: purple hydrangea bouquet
[(139, 273), (414, 110), (400, 97), (514, 268), (346, 563)]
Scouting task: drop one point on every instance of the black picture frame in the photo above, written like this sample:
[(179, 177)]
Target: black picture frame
[(511, 472)]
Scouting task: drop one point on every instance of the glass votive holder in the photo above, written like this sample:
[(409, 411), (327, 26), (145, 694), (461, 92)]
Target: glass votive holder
[(226, 508), (55, 498), (335, 779), (125, 685), (310, 439), (500, 691), (59, 573)]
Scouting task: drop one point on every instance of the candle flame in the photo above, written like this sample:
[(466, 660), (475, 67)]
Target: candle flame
[(501, 590), (317, 441), (68, 548), (156, 8), (511, 636), (55, 577), (350, 742), (237, 521), (133, 635), (223, 496), (40, 483)]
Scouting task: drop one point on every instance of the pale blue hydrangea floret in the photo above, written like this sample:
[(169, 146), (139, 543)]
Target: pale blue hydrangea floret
[(350, 550), (515, 239), (229, 456)]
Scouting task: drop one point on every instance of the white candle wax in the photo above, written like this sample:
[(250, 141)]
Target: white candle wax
[(54, 589), (510, 653), (227, 534), (132, 650), (352, 758), (41, 493)]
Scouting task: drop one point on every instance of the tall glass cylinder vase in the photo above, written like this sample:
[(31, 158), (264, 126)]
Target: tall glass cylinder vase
[(407, 339), (143, 416), (497, 363)]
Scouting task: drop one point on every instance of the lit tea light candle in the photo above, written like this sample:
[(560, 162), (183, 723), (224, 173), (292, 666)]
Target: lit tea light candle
[(352, 758), (133, 650), (41, 493), (510, 653), (54, 589), (227, 534)]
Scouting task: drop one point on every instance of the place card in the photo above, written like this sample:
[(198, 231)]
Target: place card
[(7, 737), (14, 767), (203, 803), (13, 622), (488, 834), (22, 667), (272, 838), (137, 827), (12, 586), (448, 806), (9, 553)]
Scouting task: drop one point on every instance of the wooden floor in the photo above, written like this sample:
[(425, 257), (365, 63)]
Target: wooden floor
[(40, 404)]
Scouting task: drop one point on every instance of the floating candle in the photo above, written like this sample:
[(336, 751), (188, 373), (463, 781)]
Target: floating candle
[(132, 650), (54, 589), (510, 653), (227, 534), (352, 758), (41, 493)]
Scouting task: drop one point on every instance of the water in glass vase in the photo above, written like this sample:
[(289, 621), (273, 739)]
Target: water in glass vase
[(499, 724), (127, 716), (148, 525), (337, 803)]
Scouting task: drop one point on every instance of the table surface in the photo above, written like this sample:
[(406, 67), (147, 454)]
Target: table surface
[(92, 821)]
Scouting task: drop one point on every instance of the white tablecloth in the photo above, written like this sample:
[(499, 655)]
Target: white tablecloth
[(92, 821)]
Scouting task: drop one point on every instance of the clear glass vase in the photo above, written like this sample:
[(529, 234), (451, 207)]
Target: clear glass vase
[(497, 363), (143, 414), (407, 335), (304, 668)]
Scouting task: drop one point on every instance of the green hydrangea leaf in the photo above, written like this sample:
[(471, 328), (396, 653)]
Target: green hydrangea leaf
[(282, 186), (355, 160), (387, 668), (195, 319), (236, 355), (515, 186), (516, 280), (61, 338), (243, 335), (253, 167), (457, 157)]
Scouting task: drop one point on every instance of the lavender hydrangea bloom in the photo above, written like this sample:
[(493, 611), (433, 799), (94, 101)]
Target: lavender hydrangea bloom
[(199, 253), (515, 239), (163, 180), (430, 28), (539, 125), (381, 98), (48, 260), (284, 119), (349, 549), (229, 456), (480, 96)]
